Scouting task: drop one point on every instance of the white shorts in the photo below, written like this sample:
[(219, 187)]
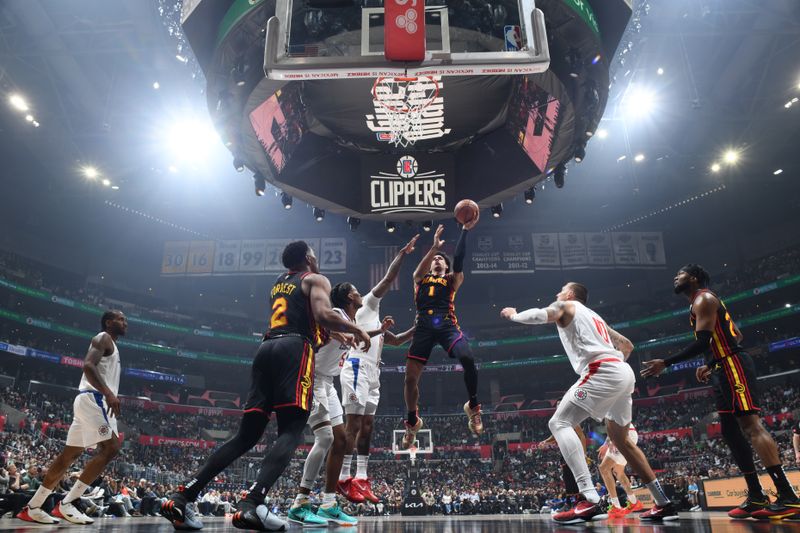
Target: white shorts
[(361, 386), (326, 406), (90, 421), (613, 451), (604, 391)]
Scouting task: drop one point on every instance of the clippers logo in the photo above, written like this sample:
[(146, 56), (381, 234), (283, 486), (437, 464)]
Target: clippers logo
[(103, 430), (431, 124), (580, 394), (407, 21), (407, 190)]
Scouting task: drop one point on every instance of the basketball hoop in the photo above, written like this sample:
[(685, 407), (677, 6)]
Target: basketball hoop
[(404, 100)]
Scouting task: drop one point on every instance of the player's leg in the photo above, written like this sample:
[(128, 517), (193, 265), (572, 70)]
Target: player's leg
[(330, 510), (364, 437), (413, 422), (606, 468), (561, 424), (33, 512), (457, 346), (624, 480)]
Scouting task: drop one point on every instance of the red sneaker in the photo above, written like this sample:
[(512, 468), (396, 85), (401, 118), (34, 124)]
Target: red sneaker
[(617, 512), (349, 489), (364, 488), (752, 504), (584, 511), (782, 508), (636, 507)]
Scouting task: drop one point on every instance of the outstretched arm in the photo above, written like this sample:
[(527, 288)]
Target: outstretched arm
[(396, 340), (383, 285), (552, 313), (425, 263)]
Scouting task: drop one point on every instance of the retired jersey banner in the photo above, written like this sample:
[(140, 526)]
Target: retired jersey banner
[(651, 249), (555, 251), (501, 254), (257, 256), (599, 252), (546, 251)]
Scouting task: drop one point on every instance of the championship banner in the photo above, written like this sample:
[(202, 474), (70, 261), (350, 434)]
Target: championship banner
[(502, 254), (573, 250), (546, 251), (626, 248), (727, 493), (599, 251)]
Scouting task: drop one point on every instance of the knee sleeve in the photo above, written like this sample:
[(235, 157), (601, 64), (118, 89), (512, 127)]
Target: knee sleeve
[(323, 437)]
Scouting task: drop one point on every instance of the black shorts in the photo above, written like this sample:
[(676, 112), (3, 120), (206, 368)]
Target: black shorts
[(282, 375), (734, 382), (445, 335)]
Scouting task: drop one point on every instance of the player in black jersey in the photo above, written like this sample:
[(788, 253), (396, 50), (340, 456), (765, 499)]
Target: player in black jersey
[(733, 377), (282, 380), (435, 288)]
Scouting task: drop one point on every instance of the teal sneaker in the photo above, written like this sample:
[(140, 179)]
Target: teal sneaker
[(305, 516), (336, 516)]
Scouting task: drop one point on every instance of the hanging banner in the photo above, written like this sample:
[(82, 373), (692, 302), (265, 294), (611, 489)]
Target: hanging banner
[(626, 248), (599, 251), (573, 250), (175, 257), (501, 254), (546, 251), (651, 249)]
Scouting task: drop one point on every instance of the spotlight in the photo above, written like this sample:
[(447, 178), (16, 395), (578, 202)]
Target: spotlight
[(238, 164), (731, 157), (29, 118), (353, 222), (602, 134), (559, 175), (90, 172), (156, 85), (497, 210), (319, 214), (18, 102), (390, 226), (660, 71), (779, 171), (596, 59), (260, 183), (238, 74), (106, 182), (580, 153), (190, 139), (715, 167), (639, 158), (530, 194), (638, 102), (427, 225), (286, 200)]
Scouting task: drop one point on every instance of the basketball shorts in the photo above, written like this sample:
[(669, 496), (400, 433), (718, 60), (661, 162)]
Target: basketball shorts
[(282, 375), (326, 406), (447, 335), (361, 386), (90, 422), (613, 451), (734, 382), (604, 391)]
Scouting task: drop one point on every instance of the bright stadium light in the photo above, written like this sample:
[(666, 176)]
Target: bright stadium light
[(639, 158), (715, 167), (731, 157), (191, 139), (639, 102), (602, 133), (660, 71), (90, 172), (107, 182), (779, 171), (18, 102)]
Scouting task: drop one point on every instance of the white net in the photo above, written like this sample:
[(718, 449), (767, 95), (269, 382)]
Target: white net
[(404, 101)]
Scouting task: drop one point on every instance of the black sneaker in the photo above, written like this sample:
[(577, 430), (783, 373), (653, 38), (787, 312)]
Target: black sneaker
[(177, 509), (659, 514), (258, 517), (753, 503), (782, 508)]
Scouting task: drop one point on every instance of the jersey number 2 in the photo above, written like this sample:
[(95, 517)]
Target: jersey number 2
[(278, 313), (602, 330)]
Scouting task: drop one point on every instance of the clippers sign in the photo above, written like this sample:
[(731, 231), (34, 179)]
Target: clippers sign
[(405, 184)]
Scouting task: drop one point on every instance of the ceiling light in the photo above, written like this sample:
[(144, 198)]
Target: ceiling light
[(638, 102), (190, 140), (286, 200), (29, 118), (427, 225), (621, 158), (639, 158), (115, 187), (260, 183), (390, 226), (580, 153), (596, 59), (559, 175), (238, 164), (90, 172), (602, 133), (715, 167), (353, 223), (173, 169), (660, 71), (156, 85), (106, 182), (18, 102), (779, 171), (319, 214), (35, 124), (731, 157), (530, 195), (497, 210), (182, 59)]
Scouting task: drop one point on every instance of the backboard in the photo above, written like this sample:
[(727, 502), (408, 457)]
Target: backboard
[(423, 444), (487, 37)]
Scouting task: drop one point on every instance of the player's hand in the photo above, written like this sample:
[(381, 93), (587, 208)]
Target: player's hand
[(703, 374), (113, 404), (508, 312), (387, 323), (362, 337), (345, 339), (471, 224), (652, 368), (409, 247), (438, 242)]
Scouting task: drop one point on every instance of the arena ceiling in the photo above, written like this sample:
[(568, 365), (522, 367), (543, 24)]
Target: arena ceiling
[(87, 69)]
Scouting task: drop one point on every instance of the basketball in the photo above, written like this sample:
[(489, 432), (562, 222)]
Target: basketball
[(466, 211)]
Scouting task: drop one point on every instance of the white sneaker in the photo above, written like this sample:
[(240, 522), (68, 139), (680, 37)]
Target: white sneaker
[(271, 521), (36, 515), (71, 513)]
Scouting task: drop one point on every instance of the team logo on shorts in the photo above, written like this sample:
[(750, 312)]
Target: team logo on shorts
[(739, 388), (581, 394), (305, 382), (353, 397), (103, 430)]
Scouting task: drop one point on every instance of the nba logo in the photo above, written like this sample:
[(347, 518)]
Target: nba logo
[(513, 38), (407, 166)]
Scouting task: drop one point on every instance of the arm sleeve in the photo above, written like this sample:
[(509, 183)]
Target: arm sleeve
[(698, 347), (461, 246), (531, 316)]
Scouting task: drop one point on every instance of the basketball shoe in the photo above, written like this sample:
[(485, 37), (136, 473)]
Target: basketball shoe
[(659, 514), (474, 417), (71, 512), (782, 508), (258, 517), (753, 503), (617, 512), (305, 516), (346, 488), (363, 489), (411, 433), (635, 507), (36, 515), (335, 516), (178, 511), (584, 511)]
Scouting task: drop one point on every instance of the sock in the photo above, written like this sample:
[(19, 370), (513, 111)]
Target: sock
[(75, 492), (412, 418), (300, 500), (591, 495), (328, 499), (753, 484), (615, 502), (658, 493), (632, 498), (345, 473), (41, 495), (361, 466), (781, 483)]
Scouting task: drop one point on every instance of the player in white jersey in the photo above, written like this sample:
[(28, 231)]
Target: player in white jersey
[(361, 385), (612, 469), (598, 354), (94, 423), (326, 420)]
